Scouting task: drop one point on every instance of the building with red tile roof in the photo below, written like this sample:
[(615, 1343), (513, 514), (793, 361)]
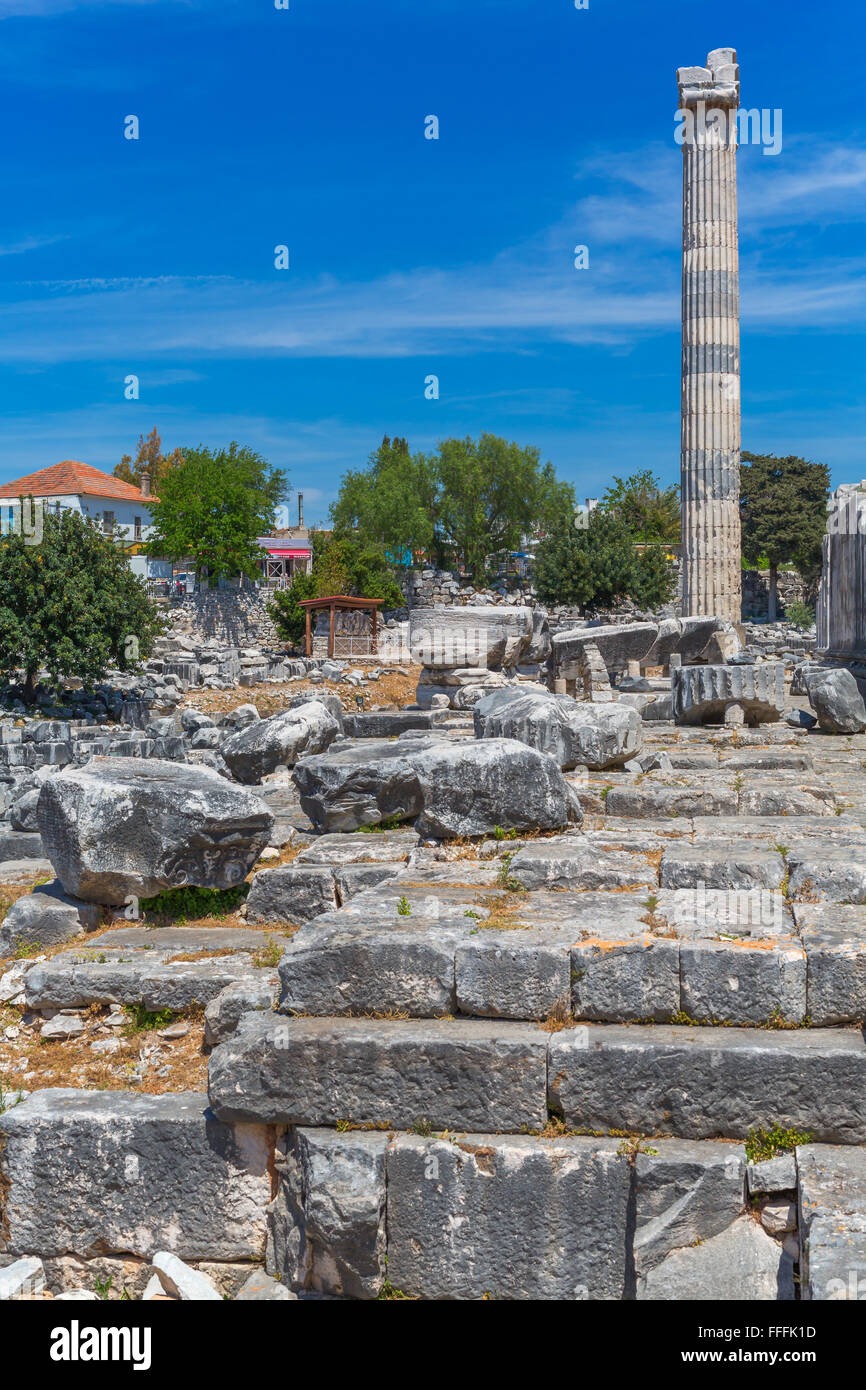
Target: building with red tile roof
[(119, 508)]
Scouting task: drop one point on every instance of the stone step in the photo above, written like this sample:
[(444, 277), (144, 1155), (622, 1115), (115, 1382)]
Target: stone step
[(120, 968), (772, 797), (716, 956), (552, 1216), (107, 1174), (457, 1074), (702, 1083), (693, 1083)]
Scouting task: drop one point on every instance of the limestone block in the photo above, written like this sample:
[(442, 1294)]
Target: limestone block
[(129, 826), (462, 1074), (507, 1217), (701, 694), (106, 1172)]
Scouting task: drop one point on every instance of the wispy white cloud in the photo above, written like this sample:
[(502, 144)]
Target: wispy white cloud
[(636, 194), (527, 296), (30, 243), (425, 313)]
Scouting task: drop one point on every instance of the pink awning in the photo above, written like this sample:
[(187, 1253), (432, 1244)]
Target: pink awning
[(279, 553)]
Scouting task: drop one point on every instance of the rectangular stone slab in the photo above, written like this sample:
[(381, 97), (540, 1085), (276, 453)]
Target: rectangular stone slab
[(832, 1221), (685, 1192), (648, 800), (513, 974), (620, 981), (462, 1074), (511, 1217), (72, 981), (749, 982), (702, 1083), (364, 847), (720, 864), (405, 965), (787, 830), (834, 938), (105, 1172)]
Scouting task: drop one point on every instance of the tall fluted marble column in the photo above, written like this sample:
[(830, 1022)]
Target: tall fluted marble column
[(710, 402)]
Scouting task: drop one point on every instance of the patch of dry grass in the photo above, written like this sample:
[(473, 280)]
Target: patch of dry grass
[(391, 690), (29, 1062)]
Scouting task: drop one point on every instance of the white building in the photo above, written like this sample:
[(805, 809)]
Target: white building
[(118, 507)]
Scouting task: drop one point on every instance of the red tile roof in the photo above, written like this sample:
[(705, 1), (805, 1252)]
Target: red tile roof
[(72, 479)]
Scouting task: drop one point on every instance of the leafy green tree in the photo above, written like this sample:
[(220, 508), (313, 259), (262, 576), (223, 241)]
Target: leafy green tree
[(71, 605), (490, 495), (783, 513), (467, 501), (582, 565), (289, 619), (597, 564), (150, 459), (213, 506), (341, 565), (390, 503), (655, 580), (651, 512)]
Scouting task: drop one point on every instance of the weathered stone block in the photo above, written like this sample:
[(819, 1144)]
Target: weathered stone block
[(701, 694), (685, 1192), (45, 917), (292, 894), (741, 1262), (338, 969), (105, 1172), (751, 981), (512, 974), (832, 1209), (266, 744), (595, 736), (129, 826), (700, 1083), (464, 1074), (327, 1222), (620, 981), (510, 1217)]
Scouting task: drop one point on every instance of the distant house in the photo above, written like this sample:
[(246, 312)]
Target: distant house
[(286, 552), (119, 508)]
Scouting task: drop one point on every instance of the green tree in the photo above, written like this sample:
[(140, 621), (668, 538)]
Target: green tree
[(341, 565), (655, 579), (389, 503), (490, 494), (651, 512), (783, 513), (467, 501), (150, 459), (597, 564), (213, 506), (70, 604)]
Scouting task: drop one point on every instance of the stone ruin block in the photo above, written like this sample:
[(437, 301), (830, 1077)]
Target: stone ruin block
[(706, 694), (94, 1173), (494, 638)]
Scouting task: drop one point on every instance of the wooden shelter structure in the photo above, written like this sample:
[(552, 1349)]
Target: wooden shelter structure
[(353, 641)]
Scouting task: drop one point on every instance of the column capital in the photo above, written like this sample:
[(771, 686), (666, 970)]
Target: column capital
[(716, 85)]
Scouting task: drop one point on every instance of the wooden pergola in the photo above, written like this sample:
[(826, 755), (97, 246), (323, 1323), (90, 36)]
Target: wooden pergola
[(333, 603)]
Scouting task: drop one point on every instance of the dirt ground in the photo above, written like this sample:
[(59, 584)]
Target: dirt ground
[(393, 690)]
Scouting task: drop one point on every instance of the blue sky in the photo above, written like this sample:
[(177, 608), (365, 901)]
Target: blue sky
[(409, 256)]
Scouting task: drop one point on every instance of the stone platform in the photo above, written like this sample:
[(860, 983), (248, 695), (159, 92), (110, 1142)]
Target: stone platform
[(520, 1066)]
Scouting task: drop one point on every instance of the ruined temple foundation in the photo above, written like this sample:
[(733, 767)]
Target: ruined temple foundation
[(710, 444)]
